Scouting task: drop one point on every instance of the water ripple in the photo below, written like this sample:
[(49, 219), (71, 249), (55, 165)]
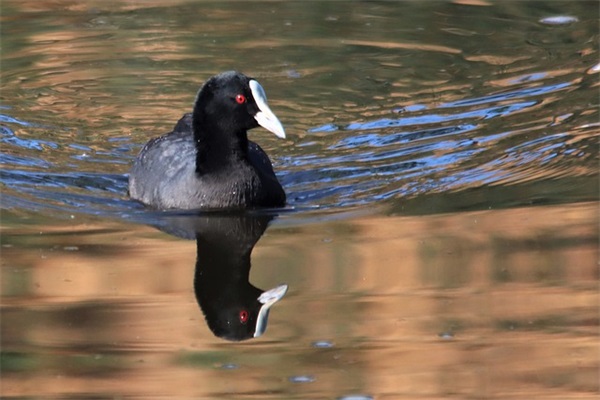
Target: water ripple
[(370, 121)]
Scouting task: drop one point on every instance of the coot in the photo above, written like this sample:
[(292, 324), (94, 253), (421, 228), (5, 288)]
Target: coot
[(207, 161)]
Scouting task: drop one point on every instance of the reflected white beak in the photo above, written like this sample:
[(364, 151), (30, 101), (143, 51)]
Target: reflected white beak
[(265, 116), (268, 298)]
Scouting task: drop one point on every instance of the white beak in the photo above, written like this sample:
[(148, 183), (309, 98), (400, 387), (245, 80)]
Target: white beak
[(268, 298), (265, 116)]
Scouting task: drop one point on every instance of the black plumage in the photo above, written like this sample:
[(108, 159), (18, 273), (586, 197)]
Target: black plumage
[(207, 161)]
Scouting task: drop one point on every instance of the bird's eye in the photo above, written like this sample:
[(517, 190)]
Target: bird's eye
[(243, 316), (240, 99)]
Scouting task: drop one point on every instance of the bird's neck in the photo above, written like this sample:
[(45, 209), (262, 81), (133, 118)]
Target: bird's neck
[(221, 267), (218, 146)]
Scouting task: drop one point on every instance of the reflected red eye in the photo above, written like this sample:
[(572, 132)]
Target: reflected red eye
[(240, 99), (243, 316)]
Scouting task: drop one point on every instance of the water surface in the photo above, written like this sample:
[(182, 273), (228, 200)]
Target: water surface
[(442, 173)]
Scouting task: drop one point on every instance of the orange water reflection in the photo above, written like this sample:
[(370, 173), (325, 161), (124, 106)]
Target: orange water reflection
[(478, 304)]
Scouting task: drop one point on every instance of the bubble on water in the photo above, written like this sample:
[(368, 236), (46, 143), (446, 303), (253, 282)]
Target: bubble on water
[(302, 379), (446, 335), (559, 20), (356, 397), (322, 344), (229, 366)]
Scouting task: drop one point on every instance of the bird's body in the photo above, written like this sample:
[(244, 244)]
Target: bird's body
[(207, 161)]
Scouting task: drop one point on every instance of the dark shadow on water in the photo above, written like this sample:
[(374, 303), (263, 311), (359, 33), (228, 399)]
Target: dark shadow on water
[(234, 309), (541, 193)]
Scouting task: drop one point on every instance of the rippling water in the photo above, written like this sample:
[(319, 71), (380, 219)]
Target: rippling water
[(454, 98), (441, 167)]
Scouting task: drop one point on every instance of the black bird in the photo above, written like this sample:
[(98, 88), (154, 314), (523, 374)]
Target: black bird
[(207, 162)]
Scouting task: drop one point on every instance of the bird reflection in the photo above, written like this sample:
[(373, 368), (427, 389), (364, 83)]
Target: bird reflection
[(234, 309)]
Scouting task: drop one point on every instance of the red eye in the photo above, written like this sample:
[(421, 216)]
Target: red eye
[(240, 99), (243, 316)]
